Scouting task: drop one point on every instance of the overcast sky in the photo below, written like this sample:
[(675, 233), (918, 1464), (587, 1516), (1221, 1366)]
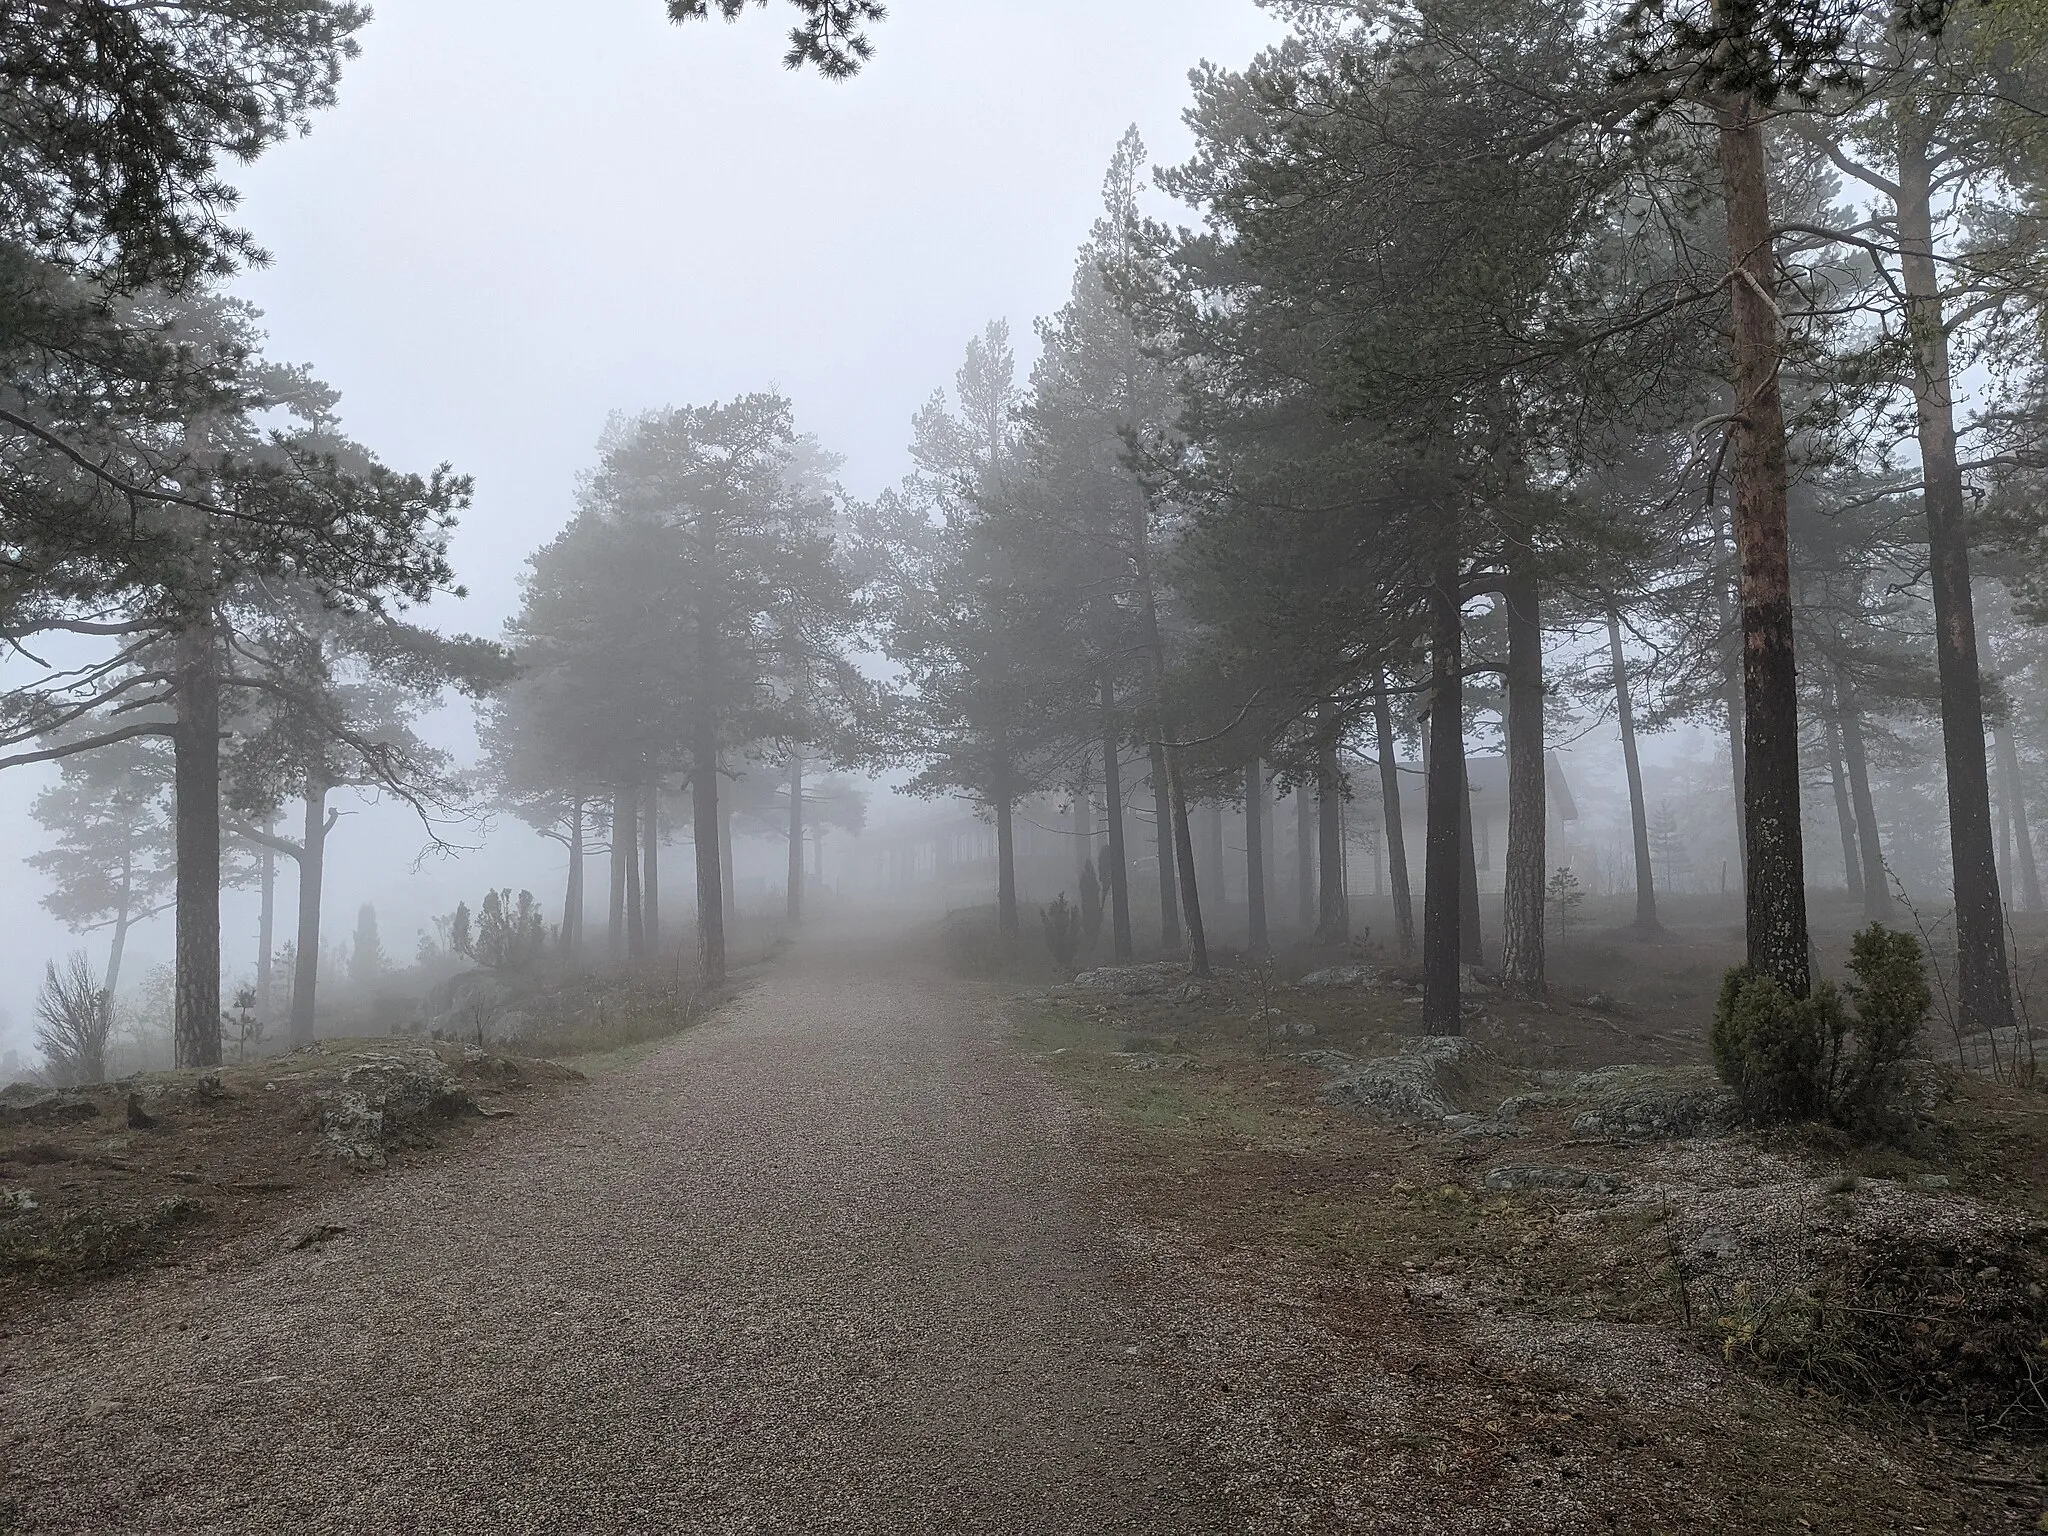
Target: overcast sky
[(517, 222), (524, 215)]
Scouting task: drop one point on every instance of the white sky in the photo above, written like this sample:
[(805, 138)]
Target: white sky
[(516, 223), (524, 215)]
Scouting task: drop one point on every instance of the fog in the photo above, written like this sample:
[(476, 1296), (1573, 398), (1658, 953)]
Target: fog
[(523, 217), (1159, 765)]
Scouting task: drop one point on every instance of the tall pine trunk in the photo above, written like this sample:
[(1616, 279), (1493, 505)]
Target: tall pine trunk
[(196, 777), (1255, 804), (650, 866), (572, 898), (1983, 987), (266, 935), (1113, 806), (1471, 933), (1333, 906), (615, 931), (312, 878), (1731, 690), (1845, 813), (1304, 858), (793, 898), (1396, 838), (1006, 848), (1169, 791), (1442, 1009), (636, 911), (1776, 864), (1877, 890), (1638, 810), (1521, 930), (2012, 794), (707, 823), (1190, 887), (1169, 890)]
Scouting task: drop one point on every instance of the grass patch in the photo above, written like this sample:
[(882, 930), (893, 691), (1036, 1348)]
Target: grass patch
[(1140, 1079)]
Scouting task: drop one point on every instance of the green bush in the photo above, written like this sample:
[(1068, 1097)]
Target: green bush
[(1872, 1094), (1790, 1058), (1062, 932), (1773, 1048)]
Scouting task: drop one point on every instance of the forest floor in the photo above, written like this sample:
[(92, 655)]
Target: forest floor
[(1537, 1275), (876, 1249), (101, 1180)]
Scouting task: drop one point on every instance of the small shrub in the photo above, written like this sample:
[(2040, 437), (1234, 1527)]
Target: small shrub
[(1062, 932), (73, 1016), (1773, 1048), (1566, 897), (508, 934), (1893, 998), (1791, 1058)]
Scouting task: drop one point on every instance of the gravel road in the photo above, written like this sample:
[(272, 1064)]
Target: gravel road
[(831, 1262)]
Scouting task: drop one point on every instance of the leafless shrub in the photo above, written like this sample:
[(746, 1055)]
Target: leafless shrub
[(72, 1020)]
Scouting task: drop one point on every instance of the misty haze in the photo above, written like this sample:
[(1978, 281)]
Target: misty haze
[(1046, 766)]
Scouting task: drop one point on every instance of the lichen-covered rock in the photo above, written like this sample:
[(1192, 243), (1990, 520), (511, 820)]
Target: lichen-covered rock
[(1339, 978), (1418, 1081), (1132, 980), (1531, 1176), (384, 1098), (31, 1104), (1473, 1127), (1276, 1025), (1652, 1103)]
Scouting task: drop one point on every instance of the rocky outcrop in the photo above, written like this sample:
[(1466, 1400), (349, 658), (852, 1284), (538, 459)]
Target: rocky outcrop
[(384, 1099), (31, 1104), (1339, 978), (1419, 1081)]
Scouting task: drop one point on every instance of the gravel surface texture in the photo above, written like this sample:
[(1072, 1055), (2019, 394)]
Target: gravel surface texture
[(830, 1262)]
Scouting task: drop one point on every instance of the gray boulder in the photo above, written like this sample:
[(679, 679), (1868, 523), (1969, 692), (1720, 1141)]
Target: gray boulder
[(384, 1098), (1131, 980), (32, 1104), (1530, 1176), (1339, 978), (1418, 1081), (1653, 1103)]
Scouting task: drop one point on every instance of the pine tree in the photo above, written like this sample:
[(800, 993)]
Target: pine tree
[(366, 961)]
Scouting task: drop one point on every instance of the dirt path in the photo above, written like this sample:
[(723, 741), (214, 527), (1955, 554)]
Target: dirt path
[(831, 1262)]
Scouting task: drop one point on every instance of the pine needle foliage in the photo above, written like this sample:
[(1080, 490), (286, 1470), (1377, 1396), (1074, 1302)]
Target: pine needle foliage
[(831, 37), (1791, 1058)]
